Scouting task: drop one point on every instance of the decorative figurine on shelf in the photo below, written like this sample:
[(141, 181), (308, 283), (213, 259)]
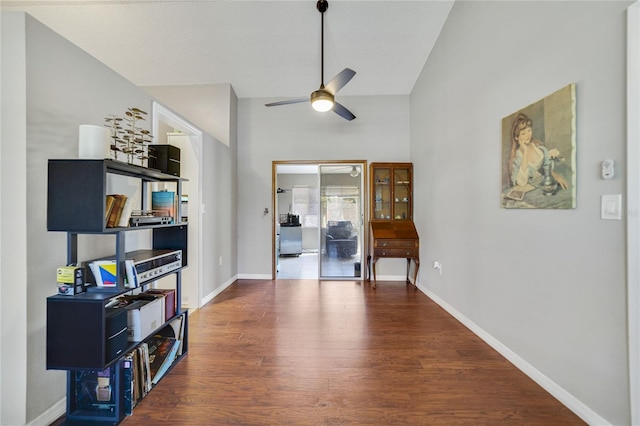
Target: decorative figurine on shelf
[(132, 141)]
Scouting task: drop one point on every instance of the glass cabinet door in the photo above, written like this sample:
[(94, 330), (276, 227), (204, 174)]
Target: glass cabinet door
[(402, 193), (391, 191), (381, 193)]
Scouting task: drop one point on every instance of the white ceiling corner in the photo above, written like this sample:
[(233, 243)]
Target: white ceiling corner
[(262, 48)]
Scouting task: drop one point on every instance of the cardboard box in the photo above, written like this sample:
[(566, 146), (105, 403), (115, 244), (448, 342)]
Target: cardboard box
[(169, 298), (143, 318), (70, 275)]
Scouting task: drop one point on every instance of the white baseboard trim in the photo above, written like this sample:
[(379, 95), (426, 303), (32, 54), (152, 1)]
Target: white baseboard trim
[(567, 399), (209, 297), (390, 278), (254, 276), (51, 415), (268, 277)]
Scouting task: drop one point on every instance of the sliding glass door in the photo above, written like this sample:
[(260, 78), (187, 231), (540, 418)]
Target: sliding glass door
[(341, 221)]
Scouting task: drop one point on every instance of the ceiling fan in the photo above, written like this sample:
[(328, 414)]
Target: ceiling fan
[(323, 99)]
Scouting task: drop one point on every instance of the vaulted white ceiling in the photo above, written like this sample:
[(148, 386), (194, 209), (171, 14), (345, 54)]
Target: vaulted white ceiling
[(262, 48)]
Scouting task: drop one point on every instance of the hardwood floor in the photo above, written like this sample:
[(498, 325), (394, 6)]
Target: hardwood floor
[(309, 352)]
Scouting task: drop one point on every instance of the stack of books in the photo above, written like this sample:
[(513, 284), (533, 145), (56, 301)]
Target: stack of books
[(118, 209)]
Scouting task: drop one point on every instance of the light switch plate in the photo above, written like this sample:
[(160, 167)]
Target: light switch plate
[(611, 207)]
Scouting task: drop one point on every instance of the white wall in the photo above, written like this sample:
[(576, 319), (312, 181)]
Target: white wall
[(64, 87), (219, 221), (549, 285), (296, 132), (218, 186), (216, 110), (13, 213), (206, 105), (633, 205)]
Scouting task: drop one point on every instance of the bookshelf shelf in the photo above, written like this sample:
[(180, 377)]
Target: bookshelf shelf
[(84, 331)]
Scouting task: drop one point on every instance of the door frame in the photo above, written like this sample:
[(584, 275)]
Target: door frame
[(633, 207), (162, 114), (365, 207)]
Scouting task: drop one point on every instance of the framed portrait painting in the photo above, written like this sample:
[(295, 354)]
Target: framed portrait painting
[(539, 154)]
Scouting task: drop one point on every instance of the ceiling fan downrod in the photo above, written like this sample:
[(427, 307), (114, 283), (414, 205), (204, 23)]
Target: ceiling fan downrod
[(322, 7), (323, 99)]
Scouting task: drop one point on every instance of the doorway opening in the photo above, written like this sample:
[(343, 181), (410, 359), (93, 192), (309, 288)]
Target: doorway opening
[(319, 217), (172, 129)]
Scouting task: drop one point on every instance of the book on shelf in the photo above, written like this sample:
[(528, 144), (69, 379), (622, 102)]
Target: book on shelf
[(125, 214), (145, 373), (136, 389), (132, 276), (116, 210), (165, 202), (127, 374), (175, 329), (109, 203), (169, 299), (162, 354), (104, 272), (137, 376), (121, 200)]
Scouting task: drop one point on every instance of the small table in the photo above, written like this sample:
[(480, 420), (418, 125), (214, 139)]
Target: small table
[(395, 239)]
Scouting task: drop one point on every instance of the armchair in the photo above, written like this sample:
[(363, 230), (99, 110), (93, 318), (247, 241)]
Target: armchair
[(341, 241)]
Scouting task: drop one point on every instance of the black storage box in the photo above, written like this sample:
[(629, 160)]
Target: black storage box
[(116, 334), (165, 158)]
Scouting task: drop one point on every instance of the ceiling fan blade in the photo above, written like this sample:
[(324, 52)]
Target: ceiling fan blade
[(342, 111), (287, 102), (340, 80)]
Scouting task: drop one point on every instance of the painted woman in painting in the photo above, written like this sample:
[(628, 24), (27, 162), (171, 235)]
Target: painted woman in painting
[(530, 158)]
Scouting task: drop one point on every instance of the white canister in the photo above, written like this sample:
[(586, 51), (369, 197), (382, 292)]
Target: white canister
[(93, 142)]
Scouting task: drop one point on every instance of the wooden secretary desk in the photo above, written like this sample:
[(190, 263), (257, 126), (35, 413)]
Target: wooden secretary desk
[(392, 231)]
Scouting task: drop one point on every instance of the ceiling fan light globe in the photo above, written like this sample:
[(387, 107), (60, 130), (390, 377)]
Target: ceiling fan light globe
[(322, 105), (321, 100)]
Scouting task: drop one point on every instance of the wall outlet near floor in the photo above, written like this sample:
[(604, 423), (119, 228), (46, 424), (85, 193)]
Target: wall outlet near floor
[(220, 261), (437, 265)]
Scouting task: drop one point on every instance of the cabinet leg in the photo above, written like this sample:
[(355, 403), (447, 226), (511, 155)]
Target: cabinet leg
[(408, 267), (373, 267), (369, 268), (415, 273)]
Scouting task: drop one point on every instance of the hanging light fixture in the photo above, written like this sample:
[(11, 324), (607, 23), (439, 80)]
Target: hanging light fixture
[(321, 100), (354, 172)]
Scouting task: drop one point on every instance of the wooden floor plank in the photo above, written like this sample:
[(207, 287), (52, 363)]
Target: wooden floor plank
[(322, 352), (314, 352)]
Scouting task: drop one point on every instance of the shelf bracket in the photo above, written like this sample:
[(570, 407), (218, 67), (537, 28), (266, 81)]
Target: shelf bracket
[(72, 248)]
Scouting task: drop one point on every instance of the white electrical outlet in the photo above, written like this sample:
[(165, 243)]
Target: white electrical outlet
[(220, 261), (437, 265)]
